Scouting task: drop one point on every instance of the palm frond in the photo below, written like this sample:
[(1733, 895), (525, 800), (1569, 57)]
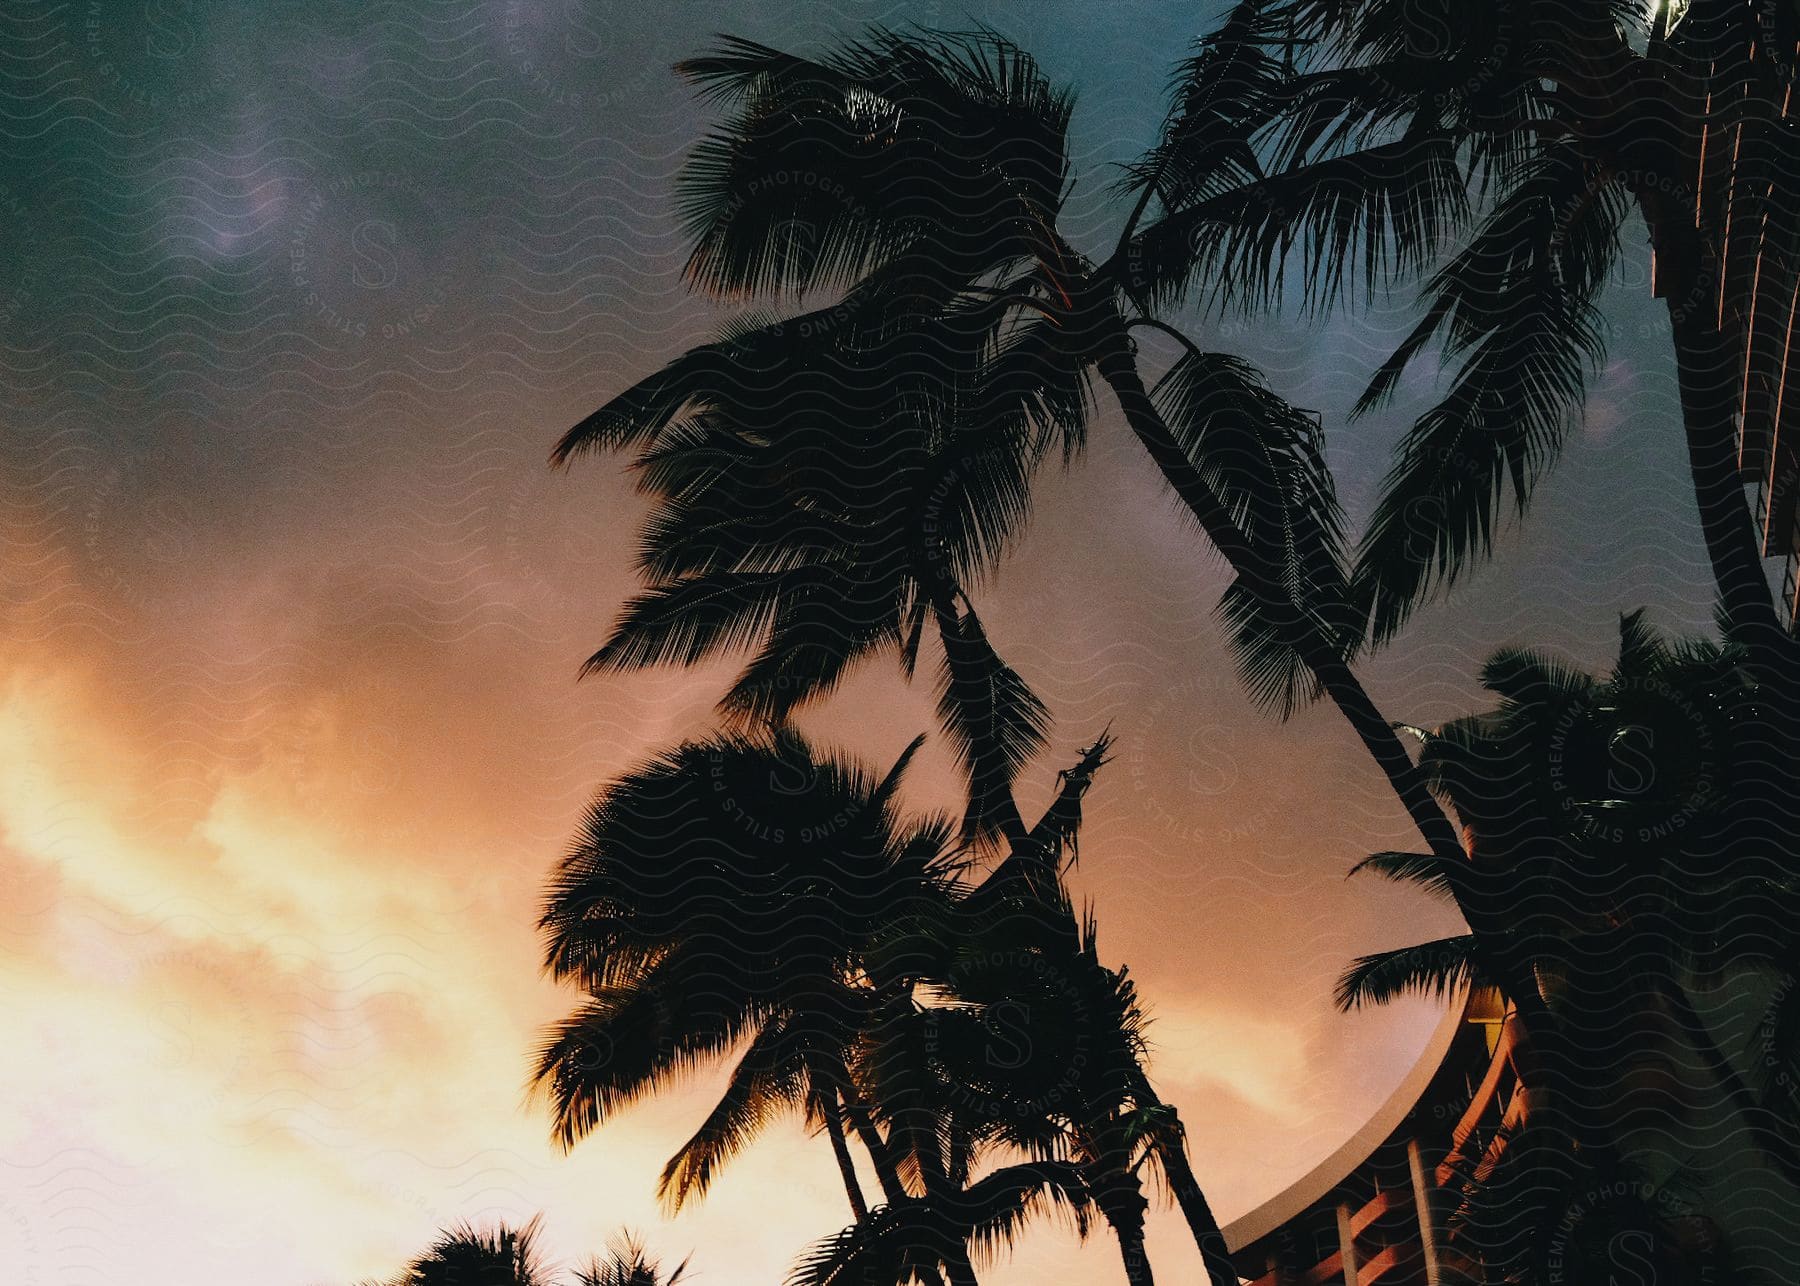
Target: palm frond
[(896, 1241), (1532, 678), (628, 1263), (1518, 307), (744, 366), (1264, 459), (994, 722), (1642, 650), (622, 1045), (816, 636), (769, 1081), (1219, 96), (687, 620), (1430, 968), (996, 1207), (1347, 224), (1424, 869)]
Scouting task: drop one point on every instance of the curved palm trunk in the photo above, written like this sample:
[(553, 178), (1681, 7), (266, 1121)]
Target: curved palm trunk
[(1195, 1209), (1707, 369), (840, 1148), (1130, 1233), (1198, 1212), (1118, 368), (887, 1171), (1546, 1059)]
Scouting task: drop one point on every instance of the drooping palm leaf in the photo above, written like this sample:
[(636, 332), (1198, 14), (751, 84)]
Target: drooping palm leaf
[(1517, 307), (898, 1240), (769, 1081), (994, 721), (619, 1046), (1430, 968), (1423, 869), (1264, 459)]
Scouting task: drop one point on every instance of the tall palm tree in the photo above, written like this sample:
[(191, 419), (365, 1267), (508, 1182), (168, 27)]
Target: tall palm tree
[(1024, 949), (829, 483), (1597, 803), (1050, 1045), (1498, 151), (732, 891)]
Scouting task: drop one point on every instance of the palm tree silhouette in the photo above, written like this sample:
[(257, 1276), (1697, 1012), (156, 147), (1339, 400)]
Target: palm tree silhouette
[(1597, 804), (1499, 150), (1023, 949), (736, 888), (1048, 1045), (955, 1207), (468, 1256), (627, 1263), (507, 1256), (827, 484), (749, 891)]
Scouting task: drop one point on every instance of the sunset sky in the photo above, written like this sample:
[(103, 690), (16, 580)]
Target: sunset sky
[(296, 300)]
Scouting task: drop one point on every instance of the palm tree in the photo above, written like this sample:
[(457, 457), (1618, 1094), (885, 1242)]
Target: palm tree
[(1050, 1046), (1498, 150), (627, 1263), (1597, 804), (506, 1256), (1022, 948), (467, 1256), (827, 484), (915, 1237), (745, 887), (733, 891)]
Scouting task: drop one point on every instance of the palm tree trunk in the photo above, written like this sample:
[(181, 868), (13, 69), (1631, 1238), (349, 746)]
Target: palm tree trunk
[(886, 1169), (1255, 572), (834, 1129), (882, 1155), (1130, 1234), (1195, 1208), (1707, 369)]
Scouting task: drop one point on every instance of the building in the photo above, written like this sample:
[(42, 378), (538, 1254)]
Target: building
[(1375, 1210), (1744, 158)]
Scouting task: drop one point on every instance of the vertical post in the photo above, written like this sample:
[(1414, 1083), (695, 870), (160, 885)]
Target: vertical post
[(1422, 1206), (1346, 1244)]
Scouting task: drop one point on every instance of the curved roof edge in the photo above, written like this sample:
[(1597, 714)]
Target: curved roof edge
[(1300, 1196)]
